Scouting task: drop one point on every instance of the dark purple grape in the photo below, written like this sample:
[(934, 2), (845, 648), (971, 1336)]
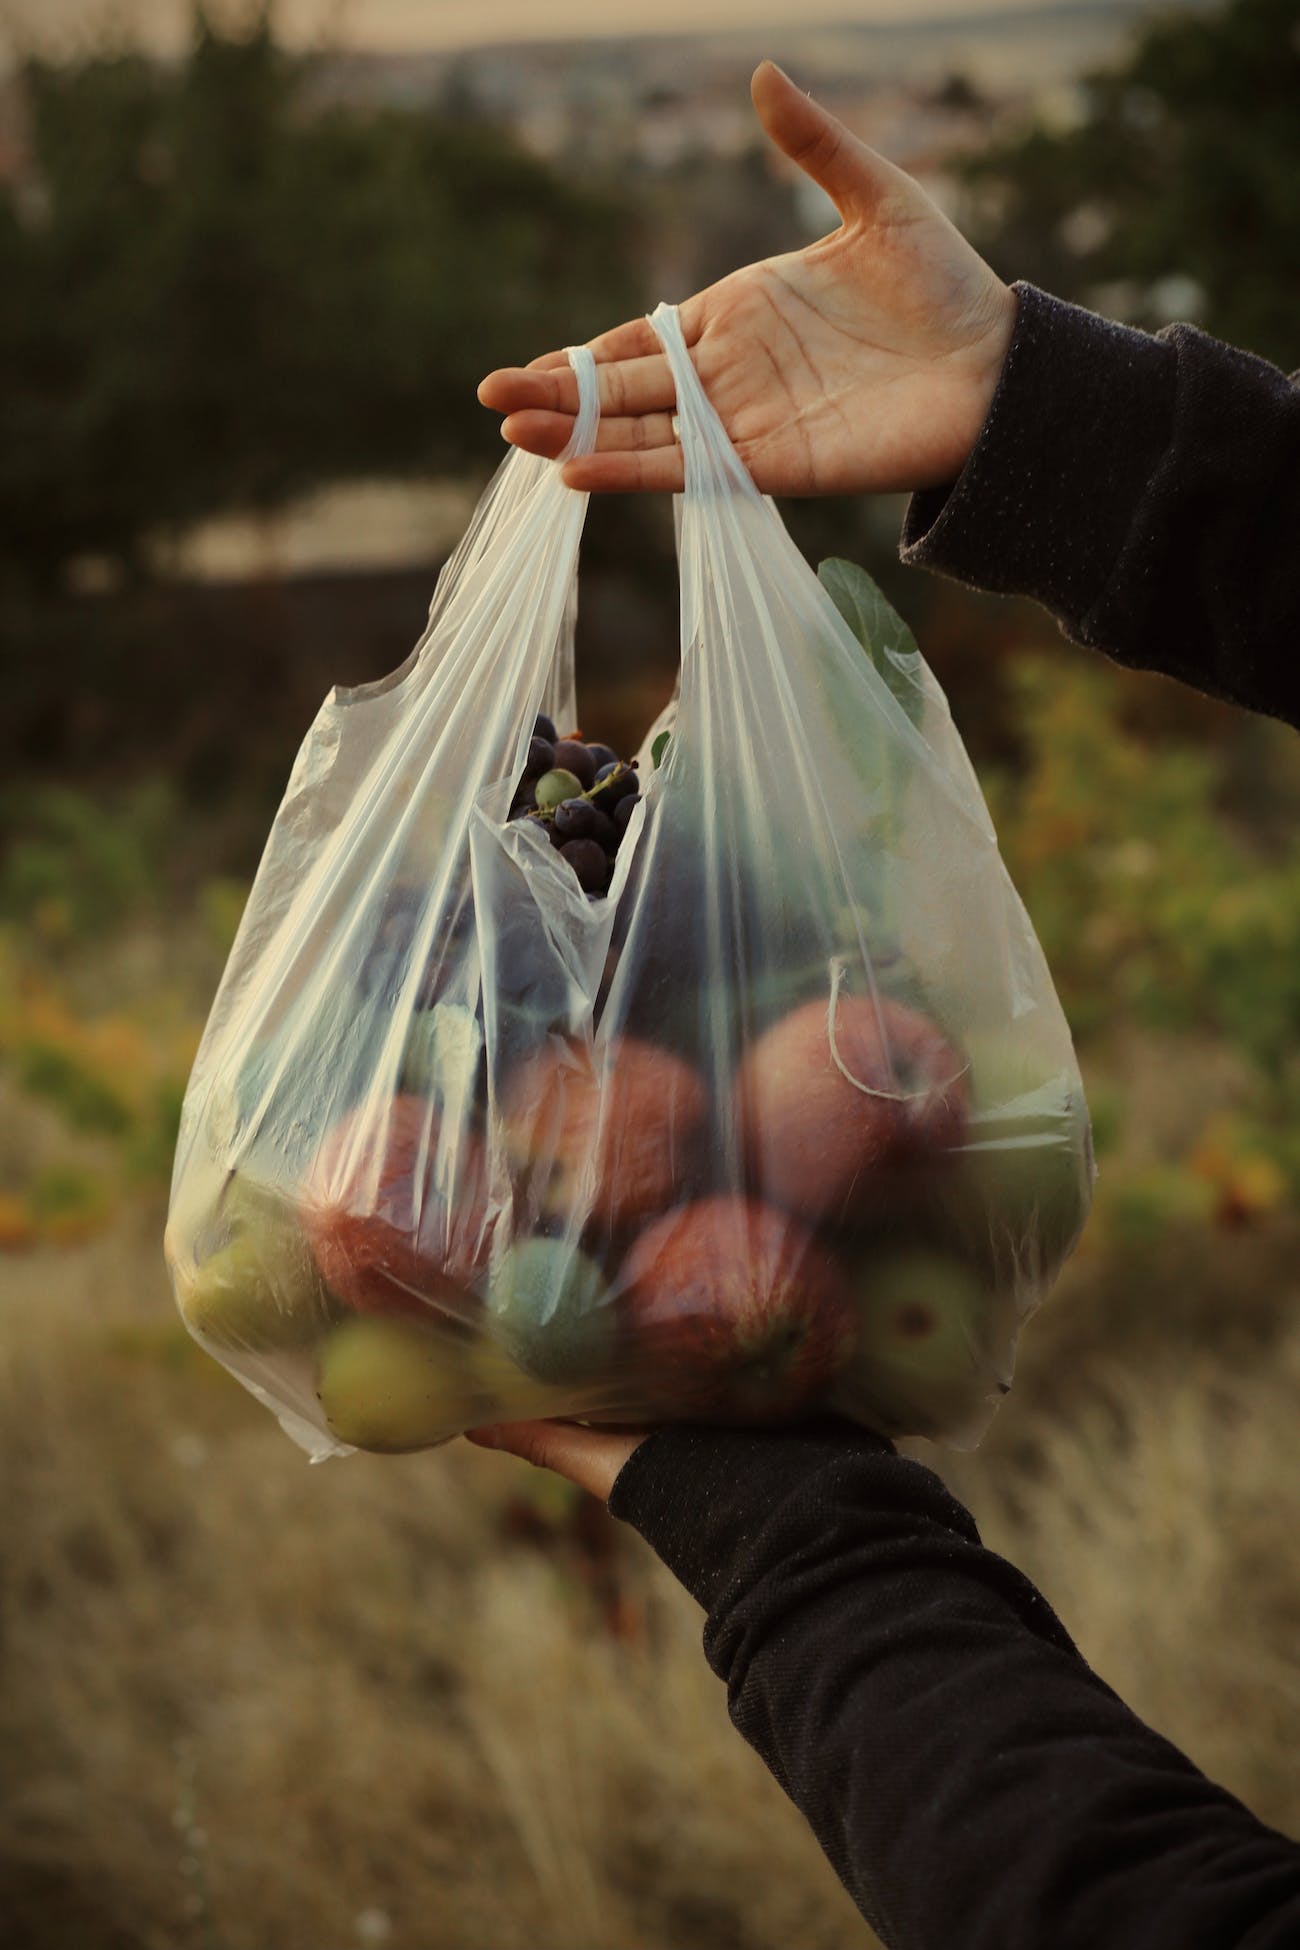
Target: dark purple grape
[(572, 756), (579, 819), (544, 728), (525, 798), (541, 757), (623, 811), (588, 861), (615, 781), (601, 756)]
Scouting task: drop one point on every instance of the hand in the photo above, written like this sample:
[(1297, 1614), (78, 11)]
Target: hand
[(591, 1458), (863, 364)]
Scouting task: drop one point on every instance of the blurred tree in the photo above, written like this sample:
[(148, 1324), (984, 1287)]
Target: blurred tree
[(1177, 193), (216, 294)]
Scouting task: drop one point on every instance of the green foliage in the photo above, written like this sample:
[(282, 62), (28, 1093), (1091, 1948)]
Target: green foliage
[(73, 866), (1156, 910), (151, 1147), (219, 292), (1185, 163), (878, 628), (1148, 901), (61, 1077), (66, 1195), (222, 901)]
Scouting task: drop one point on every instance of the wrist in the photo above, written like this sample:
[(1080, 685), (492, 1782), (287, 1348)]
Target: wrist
[(988, 358)]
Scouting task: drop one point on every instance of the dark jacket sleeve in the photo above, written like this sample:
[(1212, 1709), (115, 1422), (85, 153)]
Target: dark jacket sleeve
[(972, 1781), (1146, 490)]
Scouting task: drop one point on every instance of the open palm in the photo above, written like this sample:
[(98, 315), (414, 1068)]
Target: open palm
[(865, 362)]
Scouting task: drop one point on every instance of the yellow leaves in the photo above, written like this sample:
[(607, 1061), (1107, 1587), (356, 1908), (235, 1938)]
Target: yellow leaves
[(96, 1102), (18, 1226), (1245, 1182)]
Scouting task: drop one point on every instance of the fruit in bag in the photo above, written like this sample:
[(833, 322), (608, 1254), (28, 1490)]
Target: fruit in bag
[(842, 1096), (921, 1362), (396, 1385), (259, 1288), (735, 1311), (548, 1304), (613, 1138), (724, 1081), (399, 1218)]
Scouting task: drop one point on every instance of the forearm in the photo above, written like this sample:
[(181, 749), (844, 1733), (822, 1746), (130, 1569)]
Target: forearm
[(971, 1780), (1146, 490)]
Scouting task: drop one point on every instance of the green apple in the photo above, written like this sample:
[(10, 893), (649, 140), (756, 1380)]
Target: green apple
[(920, 1365), (549, 1306), (1022, 1182), (394, 1385)]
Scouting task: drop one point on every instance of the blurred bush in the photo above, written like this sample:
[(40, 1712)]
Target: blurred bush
[(219, 292), (1175, 191)]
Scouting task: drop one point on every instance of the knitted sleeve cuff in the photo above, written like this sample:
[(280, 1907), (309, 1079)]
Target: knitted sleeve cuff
[(1046, 499), (698, 1495)]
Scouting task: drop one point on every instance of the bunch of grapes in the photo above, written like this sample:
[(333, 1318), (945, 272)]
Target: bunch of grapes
[(583, 796)]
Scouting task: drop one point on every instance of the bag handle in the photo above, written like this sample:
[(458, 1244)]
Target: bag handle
[(709, 458), (583, 438)]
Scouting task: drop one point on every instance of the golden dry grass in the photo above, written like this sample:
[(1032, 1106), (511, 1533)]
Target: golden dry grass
[(247, 1703)]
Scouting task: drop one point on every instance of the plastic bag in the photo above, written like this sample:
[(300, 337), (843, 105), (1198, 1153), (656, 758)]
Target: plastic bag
[(787, 1117)]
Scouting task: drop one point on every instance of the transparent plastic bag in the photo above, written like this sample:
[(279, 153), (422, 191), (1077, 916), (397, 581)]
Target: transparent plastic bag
[(787, 1117)]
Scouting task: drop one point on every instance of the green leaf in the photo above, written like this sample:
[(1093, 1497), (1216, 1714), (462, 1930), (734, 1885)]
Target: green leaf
[(880, 630), (658, 749)]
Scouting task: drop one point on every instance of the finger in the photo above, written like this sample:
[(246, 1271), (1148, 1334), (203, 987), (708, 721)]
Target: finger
[(591, 1458), (548, 434), (659, 472), (637, 339), (627, 387), (852, 175)]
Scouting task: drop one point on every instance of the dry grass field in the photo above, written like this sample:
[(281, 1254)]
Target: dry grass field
[(412, 1702)]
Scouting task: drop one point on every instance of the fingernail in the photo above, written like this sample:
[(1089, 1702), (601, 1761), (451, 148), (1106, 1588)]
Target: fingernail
[(486, 1438)]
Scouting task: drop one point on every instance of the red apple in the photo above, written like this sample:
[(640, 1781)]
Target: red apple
[(829, 1123), (394, 1227), (610, 1132), (736, 1310)]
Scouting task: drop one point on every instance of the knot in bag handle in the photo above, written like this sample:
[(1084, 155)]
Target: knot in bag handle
[(711, 463), (583, 438)]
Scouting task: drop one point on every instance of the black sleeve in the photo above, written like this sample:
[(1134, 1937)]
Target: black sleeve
[(970, 1778), (1146, 490)]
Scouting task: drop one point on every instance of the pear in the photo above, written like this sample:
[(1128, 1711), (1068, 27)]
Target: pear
[(259, 1289), (549, 1305), (393, 1385), (256, 1292)]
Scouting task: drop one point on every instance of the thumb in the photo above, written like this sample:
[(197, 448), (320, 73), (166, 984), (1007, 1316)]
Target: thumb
[(589, 1457), (851, 174)]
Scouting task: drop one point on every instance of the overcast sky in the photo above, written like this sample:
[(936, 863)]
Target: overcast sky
[(461, 23)]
